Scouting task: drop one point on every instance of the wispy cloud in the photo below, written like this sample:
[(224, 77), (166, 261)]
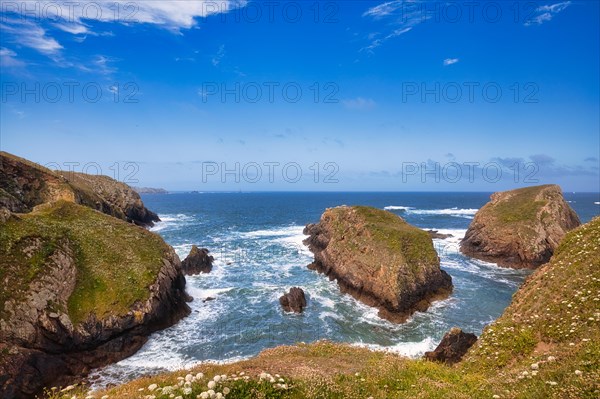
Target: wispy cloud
[(450, 61), (359, 103), (29, 34), (8, 59), (402, 16), (216, 60), (545, 13)]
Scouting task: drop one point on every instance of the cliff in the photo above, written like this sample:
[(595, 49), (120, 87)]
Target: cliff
[(520, 228), (24, 185), (379, 259), (80, 289)]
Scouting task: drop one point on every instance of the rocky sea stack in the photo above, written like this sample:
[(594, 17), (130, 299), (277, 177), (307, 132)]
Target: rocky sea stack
[(379, 259), (198, 261), (520, 228), (293, 301), (79, 288), (453, 347)]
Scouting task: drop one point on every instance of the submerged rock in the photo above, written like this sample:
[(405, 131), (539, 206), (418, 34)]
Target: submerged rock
[(453, 347), (436, 234), (520, 228), (379, 259), (198, 261), (293, 301)]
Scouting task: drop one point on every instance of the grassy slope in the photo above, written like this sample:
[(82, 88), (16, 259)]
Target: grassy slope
[(556, 313), (116, 261), (522, 206)]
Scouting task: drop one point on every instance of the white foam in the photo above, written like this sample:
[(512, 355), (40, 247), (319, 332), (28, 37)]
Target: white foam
[(409, 349), (169, 221), (398, 208), (457, 212), (597, 203)]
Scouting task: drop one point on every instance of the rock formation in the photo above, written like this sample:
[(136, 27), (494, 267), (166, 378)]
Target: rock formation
[(438, 235), (293, 301), (198, 261), (379, 259), (24, 185), (520, 228), (80, 289), (453, 347)]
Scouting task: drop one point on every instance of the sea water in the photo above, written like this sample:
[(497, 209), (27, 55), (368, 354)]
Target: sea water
[(256, 239)]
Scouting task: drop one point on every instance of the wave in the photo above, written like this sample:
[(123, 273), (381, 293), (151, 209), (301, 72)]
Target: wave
[(456, 212), (172, 222), (409, 349), (597, 202), (398, 208)]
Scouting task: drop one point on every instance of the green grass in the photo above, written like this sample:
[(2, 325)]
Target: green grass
[(116, 261), (388, 234), (522, 206)]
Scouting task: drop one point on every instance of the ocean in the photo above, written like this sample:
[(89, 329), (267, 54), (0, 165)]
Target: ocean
[(256, 239)]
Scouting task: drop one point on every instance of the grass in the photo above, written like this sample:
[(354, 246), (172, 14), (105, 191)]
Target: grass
[(545, 345), (522, 206), (116, 261), (394, 241)]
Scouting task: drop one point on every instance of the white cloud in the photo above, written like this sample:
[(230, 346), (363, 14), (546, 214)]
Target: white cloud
[(8, 58), (219, 56), (546, 13), (166, 13), (405, 17), (359, 103), (384, 9), (29, 34), (450, 61)]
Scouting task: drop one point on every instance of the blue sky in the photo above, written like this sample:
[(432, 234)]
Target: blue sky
[(355, 95)]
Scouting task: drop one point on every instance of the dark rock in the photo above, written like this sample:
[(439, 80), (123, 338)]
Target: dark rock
[(453, 347), (435, 234), (198, 261), (520, 228), (208, 298), (293, 301)]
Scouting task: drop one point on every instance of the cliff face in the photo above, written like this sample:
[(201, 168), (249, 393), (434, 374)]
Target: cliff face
[(379, 259), (24, 185), (80, 289), (520, 228)]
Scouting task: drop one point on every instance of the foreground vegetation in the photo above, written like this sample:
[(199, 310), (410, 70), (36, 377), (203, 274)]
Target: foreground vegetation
[(546, 345), (97, 242)]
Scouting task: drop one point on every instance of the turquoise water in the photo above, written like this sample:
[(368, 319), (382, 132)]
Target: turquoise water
[(256, 239)]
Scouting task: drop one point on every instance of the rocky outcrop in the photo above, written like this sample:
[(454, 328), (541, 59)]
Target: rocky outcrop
[(437, 235), (379, 259), (75, 297), (198, 261), (520, 228), (453, 347), (293, 301), (24, 185)]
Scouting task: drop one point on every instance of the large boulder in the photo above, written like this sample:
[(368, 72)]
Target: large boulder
[(520, 228), (24, 185), (80, 289), (379, 259), (293, 301), (453, 347), (198, 261)]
